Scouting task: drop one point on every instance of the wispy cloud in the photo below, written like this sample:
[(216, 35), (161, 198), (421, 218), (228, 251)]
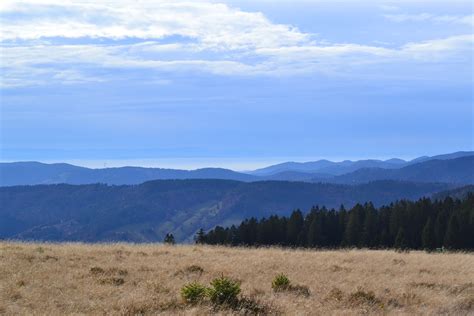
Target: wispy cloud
[(69, 42), (214, 25), (421, 17)]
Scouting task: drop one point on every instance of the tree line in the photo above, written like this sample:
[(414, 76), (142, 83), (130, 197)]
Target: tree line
[(422, 224)]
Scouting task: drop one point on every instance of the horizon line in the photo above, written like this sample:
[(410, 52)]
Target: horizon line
[(193, 163)]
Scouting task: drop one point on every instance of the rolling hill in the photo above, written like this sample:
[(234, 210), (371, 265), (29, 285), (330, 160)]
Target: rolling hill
[(145, 212), (31, 173)]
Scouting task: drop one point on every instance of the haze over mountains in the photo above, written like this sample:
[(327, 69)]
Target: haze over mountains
[(455, 168), (65, 202), (31, 173), (338, 168)]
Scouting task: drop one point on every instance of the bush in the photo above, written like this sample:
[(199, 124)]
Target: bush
[(280, 283), (224, 291), (193, 293)]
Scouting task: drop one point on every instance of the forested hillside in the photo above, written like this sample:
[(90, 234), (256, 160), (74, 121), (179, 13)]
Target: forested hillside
[(148, 211), (424, 224)]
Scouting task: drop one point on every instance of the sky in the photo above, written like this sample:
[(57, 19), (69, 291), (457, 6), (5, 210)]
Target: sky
[(237, 84)]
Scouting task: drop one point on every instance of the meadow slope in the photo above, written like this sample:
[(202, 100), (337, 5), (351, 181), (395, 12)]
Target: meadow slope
[(146, 279)]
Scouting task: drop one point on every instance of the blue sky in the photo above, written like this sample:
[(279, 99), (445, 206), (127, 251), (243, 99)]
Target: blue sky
[(236, 84)]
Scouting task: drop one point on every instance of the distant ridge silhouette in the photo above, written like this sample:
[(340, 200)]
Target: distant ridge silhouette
[(449, 168)]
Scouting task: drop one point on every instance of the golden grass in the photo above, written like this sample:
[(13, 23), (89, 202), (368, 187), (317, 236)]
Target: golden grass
[(56, 279)]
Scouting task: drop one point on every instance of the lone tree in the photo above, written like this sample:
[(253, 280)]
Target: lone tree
[(200, 237), (169, 239)]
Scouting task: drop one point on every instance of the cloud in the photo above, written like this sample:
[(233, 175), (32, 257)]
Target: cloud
[(436, 49), (422, 17), (79, 42), (213, 25)]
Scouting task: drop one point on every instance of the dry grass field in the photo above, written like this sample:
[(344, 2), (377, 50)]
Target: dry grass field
[(57, 279)]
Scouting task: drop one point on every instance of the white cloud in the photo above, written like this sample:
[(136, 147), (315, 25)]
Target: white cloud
[(213, 25), (422, 17), (69, 41), (450, 44)]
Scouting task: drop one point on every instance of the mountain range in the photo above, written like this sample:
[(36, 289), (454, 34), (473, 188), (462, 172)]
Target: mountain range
[(327, 167), (456, 168)]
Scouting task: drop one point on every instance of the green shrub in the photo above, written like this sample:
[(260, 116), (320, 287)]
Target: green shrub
[(280, 283), (193, 293), (224, 291)]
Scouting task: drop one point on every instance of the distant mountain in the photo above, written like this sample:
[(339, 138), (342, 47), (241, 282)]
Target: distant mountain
[(457, 171), (347, 166), (324, 171), (350, 166), (31, 173), (455, 155), (305, 167), (296, 176), (327, 167), (146, 212)]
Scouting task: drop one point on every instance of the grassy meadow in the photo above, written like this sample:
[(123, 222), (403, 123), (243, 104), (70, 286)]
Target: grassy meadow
[(142, 279)]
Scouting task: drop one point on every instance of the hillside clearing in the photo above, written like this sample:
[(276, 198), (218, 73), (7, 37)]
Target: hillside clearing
[(146, 279)]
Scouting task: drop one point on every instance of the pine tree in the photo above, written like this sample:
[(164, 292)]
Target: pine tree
[(428, 236), (314, 232), (400, 240), (369, 236), (440, 227), (294, 228), (451, 239), (385, 241), (169, 239), (200, 237), (353, 228)]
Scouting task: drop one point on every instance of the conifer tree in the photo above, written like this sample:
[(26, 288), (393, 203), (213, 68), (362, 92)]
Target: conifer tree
[(451, 239), (428, 236), (169, 239), (314, 232), (200, 237), (352, 229), (400, 241), (294, 228)]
